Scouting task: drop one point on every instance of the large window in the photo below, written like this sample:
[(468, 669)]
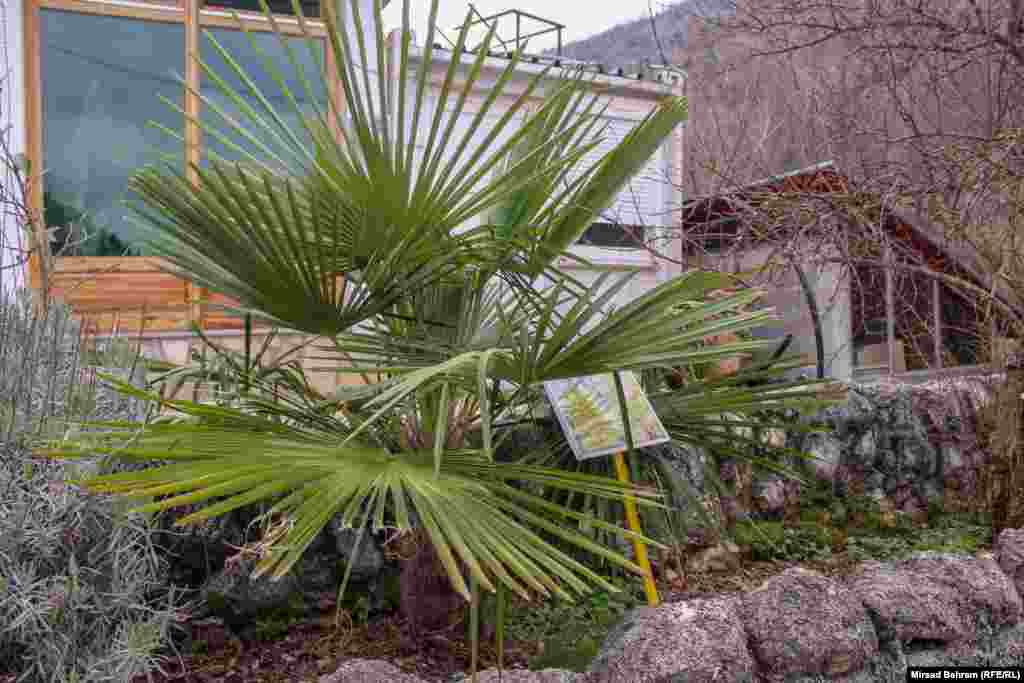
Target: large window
[(236, 43), (100, 81), (101, 77)]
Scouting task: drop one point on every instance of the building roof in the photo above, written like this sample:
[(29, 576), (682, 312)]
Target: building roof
[(714, 218)]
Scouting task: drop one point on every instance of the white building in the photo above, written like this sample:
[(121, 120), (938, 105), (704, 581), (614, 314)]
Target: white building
[(84, 80)]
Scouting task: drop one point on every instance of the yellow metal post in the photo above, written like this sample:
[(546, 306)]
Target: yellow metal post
[(633, 519)]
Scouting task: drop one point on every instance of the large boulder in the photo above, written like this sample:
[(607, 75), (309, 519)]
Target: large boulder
[(699, 642), (236, 597), (1009, 554), (936, 598), (369, 671), (803, 623)]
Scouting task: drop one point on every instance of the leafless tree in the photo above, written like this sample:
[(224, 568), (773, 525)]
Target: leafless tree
[(902, 96)]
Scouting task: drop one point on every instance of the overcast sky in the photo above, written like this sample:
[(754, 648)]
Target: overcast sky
[(582, 18)]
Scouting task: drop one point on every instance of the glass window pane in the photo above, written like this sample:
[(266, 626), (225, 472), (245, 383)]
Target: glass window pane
[(236, 44), (101, 77), (310, 8)]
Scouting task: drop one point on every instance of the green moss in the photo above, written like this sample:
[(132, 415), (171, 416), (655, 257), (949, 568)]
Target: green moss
[(216, 602), (568, 654), (270, 629), (389, 589), (964, 543), (746, 533), (777, 541)]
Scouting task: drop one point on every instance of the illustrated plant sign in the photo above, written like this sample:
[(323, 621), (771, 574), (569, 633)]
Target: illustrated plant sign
[(588, 410)]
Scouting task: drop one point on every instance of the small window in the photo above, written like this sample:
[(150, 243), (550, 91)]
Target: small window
[(611, 235)]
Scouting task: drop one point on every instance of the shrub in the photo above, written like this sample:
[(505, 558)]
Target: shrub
[(83, 594)]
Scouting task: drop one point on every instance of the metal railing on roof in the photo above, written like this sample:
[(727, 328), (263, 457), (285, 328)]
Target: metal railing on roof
[(659, 73), (519, 15)]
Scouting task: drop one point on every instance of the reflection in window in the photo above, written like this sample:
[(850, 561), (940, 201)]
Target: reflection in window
[(101, 77), (236, 44), (310, 8)]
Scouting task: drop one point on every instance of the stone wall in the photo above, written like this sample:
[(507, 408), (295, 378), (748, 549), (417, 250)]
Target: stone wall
[(907, 446), (800, 626)]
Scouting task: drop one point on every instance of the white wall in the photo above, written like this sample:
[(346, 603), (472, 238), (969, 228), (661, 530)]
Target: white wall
[(12, 121), (649, 200), (785, 294)]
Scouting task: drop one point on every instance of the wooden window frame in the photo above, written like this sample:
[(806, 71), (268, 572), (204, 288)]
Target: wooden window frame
[(42, 264)]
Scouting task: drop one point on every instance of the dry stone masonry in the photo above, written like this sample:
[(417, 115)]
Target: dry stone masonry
[(910, 446)]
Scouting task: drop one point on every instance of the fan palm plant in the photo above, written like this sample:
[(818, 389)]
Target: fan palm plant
[(361, 241)]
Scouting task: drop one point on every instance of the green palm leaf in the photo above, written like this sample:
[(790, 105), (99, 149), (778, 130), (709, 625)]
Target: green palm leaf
[(476, 520)]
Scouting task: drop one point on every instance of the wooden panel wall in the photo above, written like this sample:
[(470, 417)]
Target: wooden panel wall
[(114, 294)]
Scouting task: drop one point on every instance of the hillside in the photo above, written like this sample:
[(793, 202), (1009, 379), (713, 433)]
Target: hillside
[(632, 42)]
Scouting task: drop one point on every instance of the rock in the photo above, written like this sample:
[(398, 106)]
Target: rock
[(523, 439), (919, 456), (825, 453), (875, 481), (369, 671), (719, 558), (685, 463), (866, 446), (371, 558), (1009, 553), (803, 623), (198, 552), (233, 595), (952, 457), (681, 468), (887, 461), (698, 641), (936, 597), (774, 438), (211, 631), (901, 495), (732, 510), (527, 676), (769, 495), (913, 510)]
